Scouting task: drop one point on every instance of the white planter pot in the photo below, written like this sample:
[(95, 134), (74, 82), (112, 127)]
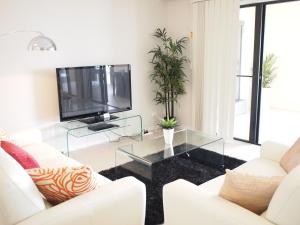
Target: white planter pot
[(265, 100), (169, 151), (168, 136)]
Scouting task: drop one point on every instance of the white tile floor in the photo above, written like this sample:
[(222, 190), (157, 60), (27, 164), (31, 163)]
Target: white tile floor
[(101, 157)]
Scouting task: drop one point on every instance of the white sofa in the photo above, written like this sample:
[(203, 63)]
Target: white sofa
[(114, 203), (186, 203)]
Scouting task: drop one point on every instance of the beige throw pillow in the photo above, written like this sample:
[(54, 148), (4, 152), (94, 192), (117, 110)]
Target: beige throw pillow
[(251, 192), (291, 158)]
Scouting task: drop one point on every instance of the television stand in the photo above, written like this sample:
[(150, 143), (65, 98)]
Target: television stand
[(96, 119), (123, 125)]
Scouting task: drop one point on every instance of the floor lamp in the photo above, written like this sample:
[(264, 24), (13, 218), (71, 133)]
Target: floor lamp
[(38, 43)]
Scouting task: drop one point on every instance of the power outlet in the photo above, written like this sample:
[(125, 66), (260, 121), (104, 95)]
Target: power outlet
[(147, 132)]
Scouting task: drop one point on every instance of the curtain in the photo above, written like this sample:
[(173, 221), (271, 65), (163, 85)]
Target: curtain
[(215, 57)]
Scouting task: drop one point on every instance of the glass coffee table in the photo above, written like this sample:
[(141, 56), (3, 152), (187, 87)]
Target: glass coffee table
[(141, 157)]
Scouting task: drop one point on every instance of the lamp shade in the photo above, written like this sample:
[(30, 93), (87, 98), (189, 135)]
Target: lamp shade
[(41, 43)]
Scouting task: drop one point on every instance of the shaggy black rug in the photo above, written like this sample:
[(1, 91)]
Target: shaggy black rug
[(197, 167)]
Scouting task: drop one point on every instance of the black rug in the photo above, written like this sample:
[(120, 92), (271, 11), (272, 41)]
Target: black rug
[(199, 167)]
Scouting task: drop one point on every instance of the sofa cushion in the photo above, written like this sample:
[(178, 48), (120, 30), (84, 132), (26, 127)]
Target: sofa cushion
[(262, 167), (251, 192), (61, 184), (63, 161), (291, 158), (41, 151), (285, 204), (49, 157), (19, 197), (20, 155), (258, 167), (25, 137), (58, 161)]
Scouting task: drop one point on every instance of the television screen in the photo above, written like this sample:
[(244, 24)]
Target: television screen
[(93, 90)]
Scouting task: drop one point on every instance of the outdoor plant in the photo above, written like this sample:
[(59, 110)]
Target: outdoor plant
[(168, 123), (269, 70), (168, 70)]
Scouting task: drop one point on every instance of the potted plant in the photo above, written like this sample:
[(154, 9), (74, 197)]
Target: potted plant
[(269, 73), (269, 70), (168, 70), (168, 126)]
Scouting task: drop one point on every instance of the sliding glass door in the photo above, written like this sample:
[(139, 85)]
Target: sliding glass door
[(267, 94), (280, 96), (245, 75)]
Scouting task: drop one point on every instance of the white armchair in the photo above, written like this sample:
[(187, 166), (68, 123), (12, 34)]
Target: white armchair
[(186, 203)]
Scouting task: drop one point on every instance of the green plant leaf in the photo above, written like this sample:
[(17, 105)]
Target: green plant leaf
[(168, 74), (168, 123), (269, 71)]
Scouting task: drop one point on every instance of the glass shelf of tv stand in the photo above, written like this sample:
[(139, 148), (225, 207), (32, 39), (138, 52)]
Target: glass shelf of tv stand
[(79, 129), (129, 125), (83, 131)]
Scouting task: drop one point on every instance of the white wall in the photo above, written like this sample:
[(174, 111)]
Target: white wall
[(179, 22), (86, 33)]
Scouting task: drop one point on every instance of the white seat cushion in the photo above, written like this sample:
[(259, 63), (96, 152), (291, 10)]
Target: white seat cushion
[(25, 137), (262, 167), (19, 197), (258, 167), (58, 161), (41, 151), (62, 161), (49, 157)]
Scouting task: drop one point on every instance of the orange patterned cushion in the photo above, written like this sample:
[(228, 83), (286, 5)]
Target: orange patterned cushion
[(61, 184)]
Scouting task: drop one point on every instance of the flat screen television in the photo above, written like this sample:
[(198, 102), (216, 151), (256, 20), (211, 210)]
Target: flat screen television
[(93, 90)]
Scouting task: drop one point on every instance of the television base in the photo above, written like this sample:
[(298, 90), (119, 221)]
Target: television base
[(102, 126), (97, 119)]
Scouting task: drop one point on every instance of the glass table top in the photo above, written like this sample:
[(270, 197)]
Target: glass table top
[(155, 150)]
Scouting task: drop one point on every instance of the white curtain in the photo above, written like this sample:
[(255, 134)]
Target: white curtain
[(215, 52)]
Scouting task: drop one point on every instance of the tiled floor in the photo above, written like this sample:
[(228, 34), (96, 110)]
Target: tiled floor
[(101, 157)]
